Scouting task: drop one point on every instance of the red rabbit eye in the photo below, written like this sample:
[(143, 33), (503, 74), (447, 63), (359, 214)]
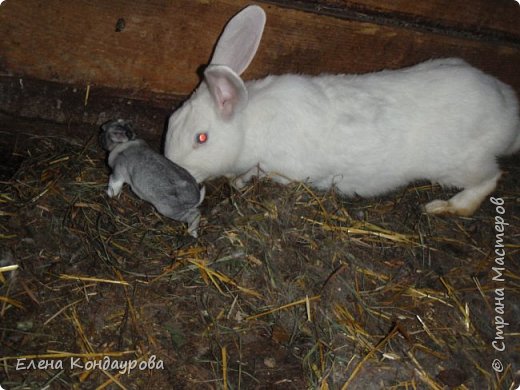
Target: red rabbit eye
[(202, 138)]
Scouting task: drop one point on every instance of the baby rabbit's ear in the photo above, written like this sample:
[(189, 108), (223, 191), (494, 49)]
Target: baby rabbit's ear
[(129, 129), (227, 89), (238, 43)]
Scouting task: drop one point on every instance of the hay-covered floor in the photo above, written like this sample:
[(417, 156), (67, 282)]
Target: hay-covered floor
[(286, 287)]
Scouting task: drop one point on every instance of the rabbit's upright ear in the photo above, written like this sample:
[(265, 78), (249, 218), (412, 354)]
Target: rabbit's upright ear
[(235, 49), (238, 43), (227, 90)]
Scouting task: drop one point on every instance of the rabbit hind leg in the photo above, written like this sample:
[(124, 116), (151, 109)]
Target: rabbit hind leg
[(192, 218), (466, 202)]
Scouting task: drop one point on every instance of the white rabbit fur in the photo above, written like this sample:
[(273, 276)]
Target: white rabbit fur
[(441, 120)]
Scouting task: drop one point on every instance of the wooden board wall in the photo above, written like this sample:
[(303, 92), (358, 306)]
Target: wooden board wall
[(164, 42), (498, 18)]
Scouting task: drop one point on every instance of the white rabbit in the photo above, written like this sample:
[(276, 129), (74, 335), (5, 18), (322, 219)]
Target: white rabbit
[(153, 178), (441, 120)]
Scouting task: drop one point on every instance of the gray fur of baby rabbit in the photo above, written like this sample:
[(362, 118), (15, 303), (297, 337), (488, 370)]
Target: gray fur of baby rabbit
[(167, 186)]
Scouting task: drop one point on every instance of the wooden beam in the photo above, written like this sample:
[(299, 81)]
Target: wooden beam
[(162, 43), (487, 20)]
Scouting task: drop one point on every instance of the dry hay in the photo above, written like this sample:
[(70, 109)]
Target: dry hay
[(286, 287)]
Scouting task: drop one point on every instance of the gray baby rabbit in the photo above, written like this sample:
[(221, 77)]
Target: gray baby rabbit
[(152, 177)]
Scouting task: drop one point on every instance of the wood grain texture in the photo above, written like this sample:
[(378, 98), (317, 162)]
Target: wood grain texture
[(159, 49), (494, 20), (164, 42)]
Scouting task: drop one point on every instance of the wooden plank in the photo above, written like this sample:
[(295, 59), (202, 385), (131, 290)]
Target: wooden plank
[(164, 42), (159, 49), (479, 16), (306, 43), (492, 20)]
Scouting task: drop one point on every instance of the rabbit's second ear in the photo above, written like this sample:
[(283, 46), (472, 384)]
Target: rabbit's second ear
[(227, 90)]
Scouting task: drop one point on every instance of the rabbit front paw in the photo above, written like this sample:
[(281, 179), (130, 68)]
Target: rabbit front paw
[(437, 207), (237, 183)]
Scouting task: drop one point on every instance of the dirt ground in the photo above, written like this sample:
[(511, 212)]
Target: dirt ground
[(286, 287)]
